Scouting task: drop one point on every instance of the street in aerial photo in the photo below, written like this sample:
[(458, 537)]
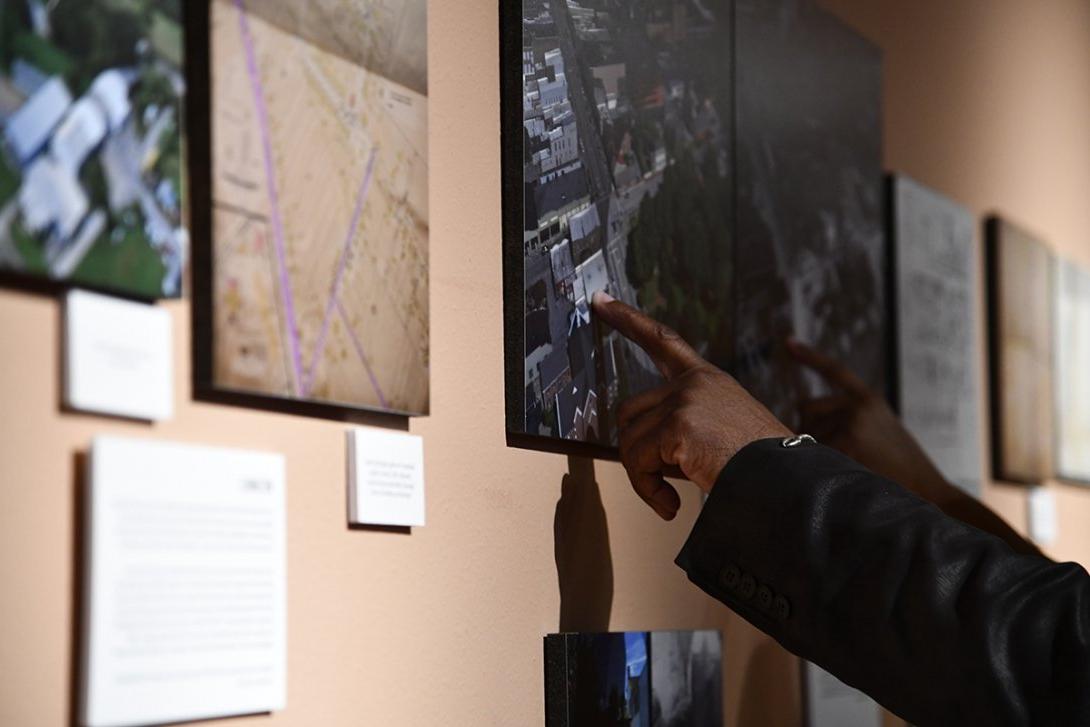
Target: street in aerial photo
[(627, 189)]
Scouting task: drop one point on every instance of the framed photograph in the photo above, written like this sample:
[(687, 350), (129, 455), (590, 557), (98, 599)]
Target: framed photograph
[(1019, 275), (638, 152), (311, 229), (933, 292), (634, 678), (1072, 384), (617, 173), (91, 105)]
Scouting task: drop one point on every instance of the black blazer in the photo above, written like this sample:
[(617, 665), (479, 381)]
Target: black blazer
[(939, 622)]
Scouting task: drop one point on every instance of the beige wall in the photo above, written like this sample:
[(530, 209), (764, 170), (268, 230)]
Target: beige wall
[(987, 100)]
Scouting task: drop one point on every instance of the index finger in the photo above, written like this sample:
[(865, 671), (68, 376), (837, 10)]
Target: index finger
[(666, 348), (830, 369)]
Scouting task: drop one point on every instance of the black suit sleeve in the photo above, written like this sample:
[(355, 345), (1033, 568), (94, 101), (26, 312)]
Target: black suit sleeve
[(939, 622)]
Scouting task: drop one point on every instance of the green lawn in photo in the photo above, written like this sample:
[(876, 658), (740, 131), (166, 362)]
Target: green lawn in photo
[(44, 55), (9, 181), (30, 250), (131, 260)]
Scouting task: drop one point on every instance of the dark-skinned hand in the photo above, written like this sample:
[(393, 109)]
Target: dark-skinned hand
[(692, 424)]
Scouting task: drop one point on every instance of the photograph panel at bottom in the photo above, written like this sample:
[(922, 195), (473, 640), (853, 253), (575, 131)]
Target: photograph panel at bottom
[(634, 679)]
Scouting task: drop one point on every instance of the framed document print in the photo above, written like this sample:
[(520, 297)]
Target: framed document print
[(936, 322), (311, 262)]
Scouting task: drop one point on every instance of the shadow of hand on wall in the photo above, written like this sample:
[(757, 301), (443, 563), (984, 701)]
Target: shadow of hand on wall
[(584, 564)]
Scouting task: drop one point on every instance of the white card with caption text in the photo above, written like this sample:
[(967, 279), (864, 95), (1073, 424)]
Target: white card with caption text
[(385, 478), (119, 357)]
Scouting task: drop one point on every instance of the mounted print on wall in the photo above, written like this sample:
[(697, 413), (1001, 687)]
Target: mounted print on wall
[(1072, 372), (635, 679), (1020, 270), (618, 179), (312, 280), (934, 295), (91, 159), (631, 134)]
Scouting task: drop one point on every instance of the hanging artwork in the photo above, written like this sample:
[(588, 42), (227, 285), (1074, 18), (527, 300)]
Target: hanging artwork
[(313, 274), (91, 162), (636, 153), (1072, 336), (1020, 353), (934, 291), (634, 678)]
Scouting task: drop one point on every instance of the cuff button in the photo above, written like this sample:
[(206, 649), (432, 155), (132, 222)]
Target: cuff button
[(781, 609), (747, 587), (764, 597), (729, 577)]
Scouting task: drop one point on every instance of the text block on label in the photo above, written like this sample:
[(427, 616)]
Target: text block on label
[(184, 615), (385, 478), (119, 357)]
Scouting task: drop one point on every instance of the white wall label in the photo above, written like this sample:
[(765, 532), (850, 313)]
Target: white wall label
[(1044, 520), (385, 478), (184, 616), (119, 357)]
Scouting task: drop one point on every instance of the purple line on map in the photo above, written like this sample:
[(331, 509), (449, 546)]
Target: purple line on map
[(274, 198), (361, 197), (363, 355)]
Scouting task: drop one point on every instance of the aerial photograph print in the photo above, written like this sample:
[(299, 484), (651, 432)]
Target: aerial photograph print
[(91, 97)]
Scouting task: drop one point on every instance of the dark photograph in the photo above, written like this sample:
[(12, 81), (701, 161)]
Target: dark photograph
[(626, 175), (716, 165), (634, 679)]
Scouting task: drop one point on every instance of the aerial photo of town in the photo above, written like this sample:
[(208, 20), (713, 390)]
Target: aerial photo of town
[(91, 161), (627, 190)]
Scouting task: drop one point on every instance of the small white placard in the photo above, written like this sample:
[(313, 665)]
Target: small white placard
[(1044, 520), (119, 357), (385, 478), (185, 606)]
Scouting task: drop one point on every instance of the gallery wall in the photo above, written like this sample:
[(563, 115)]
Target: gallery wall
[(987, 101)]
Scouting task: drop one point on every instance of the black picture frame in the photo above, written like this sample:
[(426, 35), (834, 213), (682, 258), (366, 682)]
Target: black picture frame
[(840, 50), (1013, 460), (199, 123)]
